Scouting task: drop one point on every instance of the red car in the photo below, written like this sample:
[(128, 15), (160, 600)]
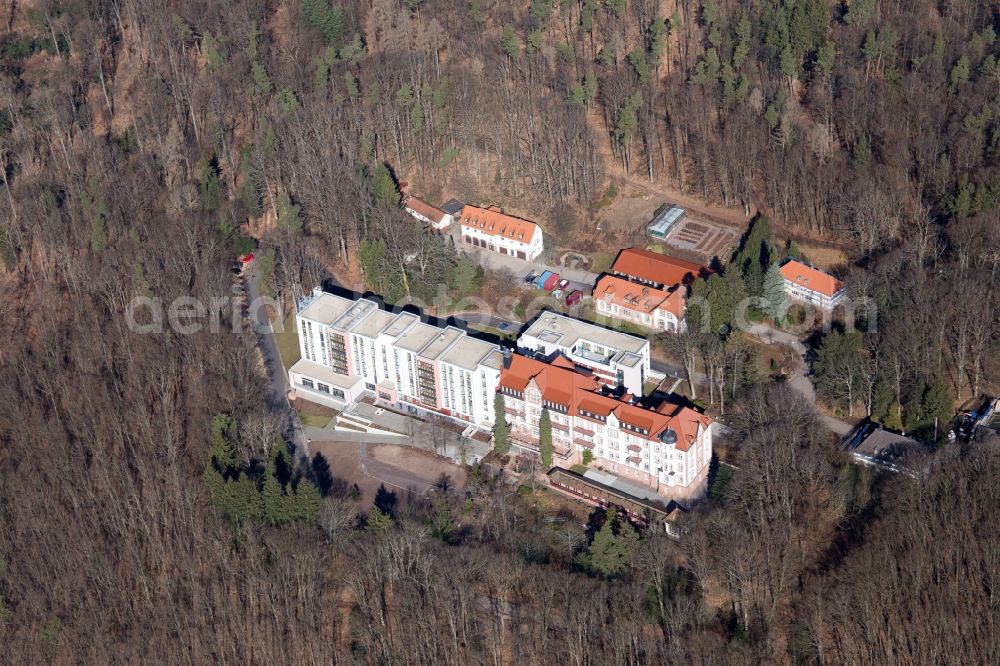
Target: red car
[(574, 297)]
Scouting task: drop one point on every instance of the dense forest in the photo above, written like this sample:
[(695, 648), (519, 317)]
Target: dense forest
[(139, 139)]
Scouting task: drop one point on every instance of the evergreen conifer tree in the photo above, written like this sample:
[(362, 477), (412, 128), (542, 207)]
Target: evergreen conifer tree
[(545, 438), (501, 429)]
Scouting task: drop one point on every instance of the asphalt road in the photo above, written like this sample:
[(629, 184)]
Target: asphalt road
[(481, 319), (799, 381), (276, 391)]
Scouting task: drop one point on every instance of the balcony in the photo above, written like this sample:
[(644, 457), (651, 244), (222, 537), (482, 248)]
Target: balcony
[(585, 432), (634, 447), (591, 357), (584, 443)]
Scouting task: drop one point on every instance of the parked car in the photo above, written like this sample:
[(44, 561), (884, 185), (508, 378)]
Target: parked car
[(574, 297), (504, 327), (557, 294), (547, 281), (563, 284), (530, 277)]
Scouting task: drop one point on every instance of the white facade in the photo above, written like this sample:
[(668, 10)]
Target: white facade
[(529, 250), (804, 294), (659, 319), (614, 357), (491, 229), (437, 219), (356, 348), (810, 285), (667, 451)]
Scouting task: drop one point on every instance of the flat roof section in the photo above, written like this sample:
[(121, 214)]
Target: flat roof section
[(555, 328), (400, 324), (355, 314), (373, 322), (324, 374), (468, 352), (629, 359), (325, 308), (417, 337), (494, 360), (439, 344)]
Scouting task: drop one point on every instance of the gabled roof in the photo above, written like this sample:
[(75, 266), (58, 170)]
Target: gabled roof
[(630, 295), (638, 297), (563, 383), (495, 223), (641, 264), (811, 278), (558, 383), (423, 208)]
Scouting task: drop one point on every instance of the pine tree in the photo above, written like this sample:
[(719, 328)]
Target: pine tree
[(509, 42), (384, 187), (501, 429), (611, 549), (754, 254), (214, 484), (275, 501), (288, 214), (307, 499), (242, 499), (330, 21), (776, 305), (545, 438), (221, 451), (211, 188), (378, 521)]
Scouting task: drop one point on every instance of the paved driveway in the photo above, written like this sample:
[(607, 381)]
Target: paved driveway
[(520, 267), (799, 381), (276, 391)]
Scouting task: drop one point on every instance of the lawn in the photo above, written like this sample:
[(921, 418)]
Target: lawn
[(288, 343), (600, 262), (315, 420)]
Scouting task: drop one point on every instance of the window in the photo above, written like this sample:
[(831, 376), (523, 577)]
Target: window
[(308, 383)]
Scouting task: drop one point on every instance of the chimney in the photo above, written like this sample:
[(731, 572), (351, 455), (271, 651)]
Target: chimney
[(508, 356)]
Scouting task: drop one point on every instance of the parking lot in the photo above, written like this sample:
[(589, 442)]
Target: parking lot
[(559, 288)]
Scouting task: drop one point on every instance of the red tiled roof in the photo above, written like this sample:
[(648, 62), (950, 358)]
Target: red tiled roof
[(629, 294), (492, 221), (810, 278), (425, 209), (640, 298), (641, 264), (578, 391)]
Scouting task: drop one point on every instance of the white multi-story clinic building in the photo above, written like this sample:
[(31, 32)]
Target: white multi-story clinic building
[(351, 348), (614, 358)]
